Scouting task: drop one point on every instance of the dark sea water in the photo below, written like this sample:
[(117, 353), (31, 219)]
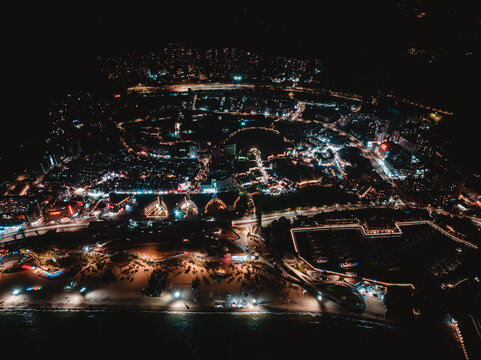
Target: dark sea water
[(212, 336)]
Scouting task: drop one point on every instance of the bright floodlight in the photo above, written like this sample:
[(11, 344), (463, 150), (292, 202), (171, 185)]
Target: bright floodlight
[(177, 294), (82, 290), (319, 297), (16, 292), (254, 301)]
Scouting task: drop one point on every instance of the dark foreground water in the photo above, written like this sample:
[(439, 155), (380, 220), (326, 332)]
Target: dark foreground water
[(115, 335)]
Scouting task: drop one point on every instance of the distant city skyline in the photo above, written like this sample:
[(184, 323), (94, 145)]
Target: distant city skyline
[(427, 50)]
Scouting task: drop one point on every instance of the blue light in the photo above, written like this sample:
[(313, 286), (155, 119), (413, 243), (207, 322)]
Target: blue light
[(55, 274)]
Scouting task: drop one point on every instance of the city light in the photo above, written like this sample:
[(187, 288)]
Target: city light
[(180, 180)]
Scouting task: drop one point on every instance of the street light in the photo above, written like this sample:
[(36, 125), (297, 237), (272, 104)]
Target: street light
[(177, 294), (16, 292)]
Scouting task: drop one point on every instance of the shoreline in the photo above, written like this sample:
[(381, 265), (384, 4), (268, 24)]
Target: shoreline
[(203, 311)]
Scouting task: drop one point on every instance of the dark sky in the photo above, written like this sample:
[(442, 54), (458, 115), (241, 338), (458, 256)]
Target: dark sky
[(50, 49), (353, 36)]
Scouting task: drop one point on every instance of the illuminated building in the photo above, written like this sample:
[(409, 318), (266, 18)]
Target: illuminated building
[(344, 120), (20, 189), (207, 188), (190, 99), (186, 209), (117, 201), (215, 206), (381, 151), (19, 209), (381, 131), (193, 151), (61, 210), (230, 149), (395, 136), (156, 209), (405, 143)]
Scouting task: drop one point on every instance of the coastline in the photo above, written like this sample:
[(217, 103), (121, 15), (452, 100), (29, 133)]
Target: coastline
[(202, 333), (205, 310)]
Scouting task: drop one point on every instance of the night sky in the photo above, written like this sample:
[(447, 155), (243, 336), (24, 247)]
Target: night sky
[(52, 50)]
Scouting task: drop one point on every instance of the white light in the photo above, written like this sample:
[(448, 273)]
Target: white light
[(16, 292), (319, 297), (177, 294)]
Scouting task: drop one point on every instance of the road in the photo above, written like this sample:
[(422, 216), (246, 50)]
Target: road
[(247, 221), (43, 229), (268, 218), (365, 152)]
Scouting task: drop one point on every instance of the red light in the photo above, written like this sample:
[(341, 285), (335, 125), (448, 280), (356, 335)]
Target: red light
[(55, 213), (228, 254), (70, 209), (384, 147)]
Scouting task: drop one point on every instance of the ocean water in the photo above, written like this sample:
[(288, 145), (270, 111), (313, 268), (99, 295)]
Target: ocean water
[(116, 335)]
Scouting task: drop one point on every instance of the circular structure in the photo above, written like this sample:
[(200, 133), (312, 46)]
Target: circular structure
[(326, 156), (268, 141)]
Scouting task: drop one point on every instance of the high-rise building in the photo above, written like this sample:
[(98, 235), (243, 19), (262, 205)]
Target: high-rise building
[(190, 99), (344, 120), (395, 136), (230, 149), (193, 151), (381, 131), (406, 144)]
